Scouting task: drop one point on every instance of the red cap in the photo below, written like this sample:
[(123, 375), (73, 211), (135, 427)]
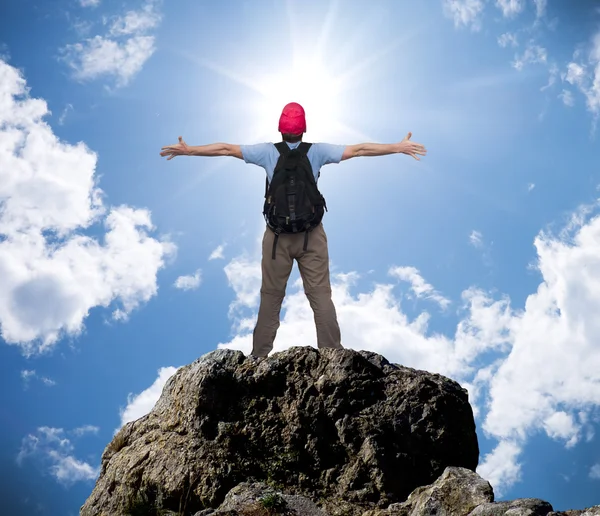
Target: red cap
[(292, 119)]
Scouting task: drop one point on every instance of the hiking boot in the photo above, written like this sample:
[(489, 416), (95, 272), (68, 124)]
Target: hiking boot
[(256, 360)]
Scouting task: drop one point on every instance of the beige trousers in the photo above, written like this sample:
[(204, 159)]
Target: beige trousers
[(313, 265)]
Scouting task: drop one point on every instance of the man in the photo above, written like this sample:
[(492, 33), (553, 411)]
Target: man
[(313, 262)]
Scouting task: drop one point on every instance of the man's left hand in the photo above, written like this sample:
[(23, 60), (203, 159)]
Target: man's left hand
[(411, 148)]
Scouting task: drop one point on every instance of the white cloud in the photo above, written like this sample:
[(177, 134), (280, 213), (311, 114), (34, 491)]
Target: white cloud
[(52, 274), (576, 74), (27, 375), (86, 429), (586, 77), (567, 97), (139, 405), (374, 320), (560, 425), (476, 238), (501, 467), (557, 332), (63, 116), (217, 254), (244, 276), (553, 72), (595, 472), (533, 54), (510, 8), (508, 39), (136, 22), (419, 286), (530, 187), (464, 12), (189, 282), (53, 451), (89, 3), (68, 470), (99, 56), (120, 53)]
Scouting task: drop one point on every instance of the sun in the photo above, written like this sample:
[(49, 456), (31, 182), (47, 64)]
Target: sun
[(307, 82)]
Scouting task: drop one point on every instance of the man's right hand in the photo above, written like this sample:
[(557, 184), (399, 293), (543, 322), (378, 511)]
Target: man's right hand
[(177, 149), (411, 148)]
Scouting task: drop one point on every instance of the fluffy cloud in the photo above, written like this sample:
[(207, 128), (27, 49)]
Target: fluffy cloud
[(217, 254), (567, 97), (139, 405), (244, 276), (495, 351), (136, 22), (374, 320), (99, 56), (52, 450), (51, 273), (595, 472), (465, 12), (121, 52), (586, 77), (533, 54), (560, 425), (89, 3), (191, 282), (419, 286), (501, 467)]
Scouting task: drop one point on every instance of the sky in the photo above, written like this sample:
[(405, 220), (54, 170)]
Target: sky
[(480, 262)]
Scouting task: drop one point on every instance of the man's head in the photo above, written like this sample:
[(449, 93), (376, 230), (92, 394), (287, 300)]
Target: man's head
[(292, 122)]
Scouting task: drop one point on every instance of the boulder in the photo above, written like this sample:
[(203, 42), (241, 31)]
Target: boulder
[(590, 511), (259, 499), (519, 507), (343, 428), (455, 493)]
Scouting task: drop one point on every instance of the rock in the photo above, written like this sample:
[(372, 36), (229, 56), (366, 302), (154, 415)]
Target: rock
[(519, 507), (590, 511), (455, 493), (258, 498), (343, 428)]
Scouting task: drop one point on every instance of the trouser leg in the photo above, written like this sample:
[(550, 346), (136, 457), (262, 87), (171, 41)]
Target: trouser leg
[(275, 275), (314, 270)]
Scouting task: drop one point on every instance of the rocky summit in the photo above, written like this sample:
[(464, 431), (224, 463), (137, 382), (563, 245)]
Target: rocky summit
[(304, 432), (344, 428)]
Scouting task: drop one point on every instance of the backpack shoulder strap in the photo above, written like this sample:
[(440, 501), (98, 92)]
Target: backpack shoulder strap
[(303, 147), (283, 148)]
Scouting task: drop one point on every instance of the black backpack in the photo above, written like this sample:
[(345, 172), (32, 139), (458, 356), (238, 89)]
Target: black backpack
[(293, 202)]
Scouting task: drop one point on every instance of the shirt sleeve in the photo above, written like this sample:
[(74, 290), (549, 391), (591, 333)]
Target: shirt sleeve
[(326, 153), (257, 154)]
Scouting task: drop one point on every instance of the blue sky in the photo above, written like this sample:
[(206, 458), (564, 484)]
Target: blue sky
[(480, 262)]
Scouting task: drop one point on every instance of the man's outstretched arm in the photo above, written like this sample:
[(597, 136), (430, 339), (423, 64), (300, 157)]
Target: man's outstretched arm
[(381, 149), (213, 149)]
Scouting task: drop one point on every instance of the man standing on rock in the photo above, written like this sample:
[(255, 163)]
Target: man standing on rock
[(286, 234)]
